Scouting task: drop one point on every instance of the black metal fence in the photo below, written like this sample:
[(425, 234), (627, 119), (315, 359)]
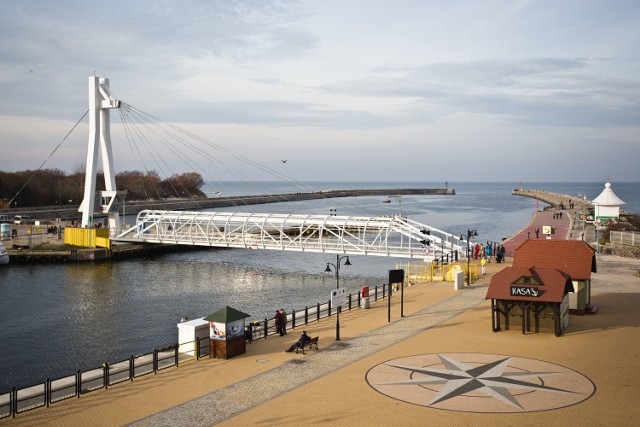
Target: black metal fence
[(55, 390)]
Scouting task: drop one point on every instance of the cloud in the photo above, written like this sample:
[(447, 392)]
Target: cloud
[(366, 78)]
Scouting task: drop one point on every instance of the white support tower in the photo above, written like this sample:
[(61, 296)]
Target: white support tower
[(100, 102)]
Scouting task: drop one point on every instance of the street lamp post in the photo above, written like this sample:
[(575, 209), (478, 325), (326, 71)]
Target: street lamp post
[(470, 233), (336, 268)]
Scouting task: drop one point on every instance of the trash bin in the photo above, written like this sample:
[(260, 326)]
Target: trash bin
[(364, 300)]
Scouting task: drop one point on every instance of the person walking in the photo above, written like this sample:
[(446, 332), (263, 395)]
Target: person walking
[(283, 322), (483, 264), (488, 251), (278, 320)]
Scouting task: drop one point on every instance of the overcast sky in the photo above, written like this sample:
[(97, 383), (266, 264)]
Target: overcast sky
[(456, 90)]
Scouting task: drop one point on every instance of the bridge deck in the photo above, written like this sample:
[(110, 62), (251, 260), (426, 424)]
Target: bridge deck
[(394, 236)]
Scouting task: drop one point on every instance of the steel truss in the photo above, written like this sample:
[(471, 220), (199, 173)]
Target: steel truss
[(393, 236)]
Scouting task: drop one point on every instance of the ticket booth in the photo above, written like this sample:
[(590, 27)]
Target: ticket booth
[(226, 333), (531, 299)]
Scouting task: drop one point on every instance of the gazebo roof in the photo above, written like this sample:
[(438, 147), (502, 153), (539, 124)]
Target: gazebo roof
[(547, 284), (226, 315), (607, 197)]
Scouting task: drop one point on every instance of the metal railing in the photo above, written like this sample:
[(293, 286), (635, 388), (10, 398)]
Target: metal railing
[(52, 391)]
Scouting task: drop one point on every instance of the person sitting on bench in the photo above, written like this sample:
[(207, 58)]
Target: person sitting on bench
[(300, 343)]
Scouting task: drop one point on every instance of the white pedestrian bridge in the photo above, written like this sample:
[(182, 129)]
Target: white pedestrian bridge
[(392, 236)]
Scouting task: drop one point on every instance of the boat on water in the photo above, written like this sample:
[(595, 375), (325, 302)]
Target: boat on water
[(4, 255), (392, 196)]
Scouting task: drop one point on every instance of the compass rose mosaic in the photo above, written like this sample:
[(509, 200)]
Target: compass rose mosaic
[(480, 382)]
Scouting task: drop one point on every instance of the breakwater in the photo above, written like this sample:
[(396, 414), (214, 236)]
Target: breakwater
[(132, 208), (556, 200)]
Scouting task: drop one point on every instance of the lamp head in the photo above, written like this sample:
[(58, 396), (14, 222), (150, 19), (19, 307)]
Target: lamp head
[(328, 269), (347, 263)]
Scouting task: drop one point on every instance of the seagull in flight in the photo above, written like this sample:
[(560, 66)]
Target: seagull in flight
[(284, 161)]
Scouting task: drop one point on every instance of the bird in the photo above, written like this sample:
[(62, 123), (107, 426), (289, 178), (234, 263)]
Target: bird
[(284, 161)]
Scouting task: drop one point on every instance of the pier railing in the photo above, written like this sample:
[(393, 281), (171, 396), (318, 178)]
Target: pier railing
[(51, 391)]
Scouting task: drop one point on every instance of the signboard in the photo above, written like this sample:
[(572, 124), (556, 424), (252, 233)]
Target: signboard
[(524, 291), (548, 229), (586, 217), (396, 276), (338, 297)]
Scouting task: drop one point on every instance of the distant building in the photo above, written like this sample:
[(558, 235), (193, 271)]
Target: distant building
[(607, 205)]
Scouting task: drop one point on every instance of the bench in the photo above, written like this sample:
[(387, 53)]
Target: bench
[(309, 344)]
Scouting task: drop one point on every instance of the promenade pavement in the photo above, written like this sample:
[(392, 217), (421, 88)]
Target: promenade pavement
[(336, 386), (538, 220)]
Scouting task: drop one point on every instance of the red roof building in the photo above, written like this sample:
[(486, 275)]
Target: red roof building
[(574, 257)]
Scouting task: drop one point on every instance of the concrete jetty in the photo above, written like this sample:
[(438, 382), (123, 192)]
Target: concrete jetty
[(554, 199)]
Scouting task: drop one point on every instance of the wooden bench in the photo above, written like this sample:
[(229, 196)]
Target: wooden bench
[(309, 344)]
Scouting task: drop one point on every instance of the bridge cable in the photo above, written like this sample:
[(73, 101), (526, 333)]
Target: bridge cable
[(47, 159)]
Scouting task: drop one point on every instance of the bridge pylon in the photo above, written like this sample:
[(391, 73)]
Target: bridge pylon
[(100, 102)]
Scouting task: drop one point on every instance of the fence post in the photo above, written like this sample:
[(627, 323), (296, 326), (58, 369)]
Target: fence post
[(105, 375), (318, 312), (14, 402), (329, 313), (176, 353), (47, 391), (349, 302), (306, 315), (131, 367), (266, 330), (359, 299), (375, 292), (78, 383), (155, 361)]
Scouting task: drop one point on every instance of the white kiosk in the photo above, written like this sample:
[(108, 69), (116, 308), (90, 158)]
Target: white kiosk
[(188, 334)]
